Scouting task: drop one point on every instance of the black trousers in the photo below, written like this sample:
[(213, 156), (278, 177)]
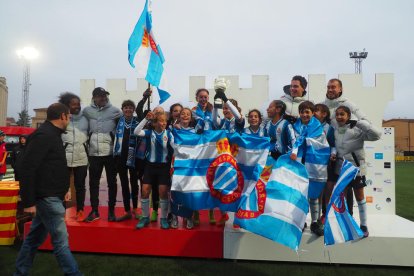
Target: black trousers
[(96, 165), (79, 176), (127, 194)]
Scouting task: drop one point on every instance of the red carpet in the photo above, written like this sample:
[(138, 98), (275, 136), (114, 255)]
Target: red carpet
[(101, 236)]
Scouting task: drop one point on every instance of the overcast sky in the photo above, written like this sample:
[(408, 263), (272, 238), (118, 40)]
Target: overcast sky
[(82, 39)]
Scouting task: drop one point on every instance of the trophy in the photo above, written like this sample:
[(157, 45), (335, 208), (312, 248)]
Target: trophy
[(220, 85)]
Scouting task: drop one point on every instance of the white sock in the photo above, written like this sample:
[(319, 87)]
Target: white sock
[(314, 209), (164, 207), (145, 203), (362, 208)]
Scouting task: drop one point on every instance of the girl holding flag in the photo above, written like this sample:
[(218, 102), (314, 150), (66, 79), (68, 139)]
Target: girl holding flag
[(350, 136)]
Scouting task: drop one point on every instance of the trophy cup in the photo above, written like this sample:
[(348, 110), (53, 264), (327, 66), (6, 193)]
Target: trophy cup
[(220, 84)]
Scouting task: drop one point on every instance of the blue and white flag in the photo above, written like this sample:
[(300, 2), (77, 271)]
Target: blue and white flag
[(149, 55), (210, 171), (277, 209), (312, 145), (340, 226)]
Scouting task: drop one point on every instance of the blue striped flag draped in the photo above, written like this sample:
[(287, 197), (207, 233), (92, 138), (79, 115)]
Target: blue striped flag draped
[(340, 226), (277, 208), (209, 171), (149, 55), (314, 147)]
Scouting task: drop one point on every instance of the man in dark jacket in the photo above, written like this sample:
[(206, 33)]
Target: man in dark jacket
[(44, 185), (17, 155)]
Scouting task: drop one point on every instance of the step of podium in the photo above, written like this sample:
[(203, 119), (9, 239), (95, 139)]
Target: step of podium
[(101, 236)]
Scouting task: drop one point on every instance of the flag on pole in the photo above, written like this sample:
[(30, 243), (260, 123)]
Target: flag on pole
[(277, 209), (150, 60), (340, 226)]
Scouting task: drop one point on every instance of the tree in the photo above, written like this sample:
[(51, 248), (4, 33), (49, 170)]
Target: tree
[(24, 119)]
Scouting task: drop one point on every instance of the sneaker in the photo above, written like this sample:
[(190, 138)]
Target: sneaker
[(137, 213), (316, 228), (365, 230), (174, 222), (222, 221), (154, 216), (189, 224), (196, 218), (126, 216), (80, 216), (144, 221), (211, 217), (93, 215), (111, 216), (164, 223)]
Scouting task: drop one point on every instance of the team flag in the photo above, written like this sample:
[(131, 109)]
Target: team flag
[(340, 226), (150, 59), (9, 194), (213, 169), (277, 206)]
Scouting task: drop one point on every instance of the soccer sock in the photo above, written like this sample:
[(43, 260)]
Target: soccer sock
[(145, 203), (362, 208), (314, 209), (164, 207)]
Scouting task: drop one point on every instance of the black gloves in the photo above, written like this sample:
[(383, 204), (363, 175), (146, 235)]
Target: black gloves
[(147, 93), (220, 95)]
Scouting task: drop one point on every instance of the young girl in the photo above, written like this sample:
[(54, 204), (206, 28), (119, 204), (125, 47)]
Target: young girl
[(185, 124), (157, 169), (313, 151), (254, 118), (323, 114), (124, 137), (202, 113), (349, 140), (278, 129), (175, 111), (233, 120)]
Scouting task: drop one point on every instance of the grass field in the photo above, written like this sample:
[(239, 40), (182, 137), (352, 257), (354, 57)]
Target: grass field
[(102, 264)]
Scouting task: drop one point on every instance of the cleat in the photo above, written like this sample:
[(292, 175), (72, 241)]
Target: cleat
[(126, 216), (154, 216), (164, 223), (222, 221), (93, 215), (190, 224), (211, 217), (365, 230), (80, 216), (317, 228), (174, 222), (142, 223), (196, 218)]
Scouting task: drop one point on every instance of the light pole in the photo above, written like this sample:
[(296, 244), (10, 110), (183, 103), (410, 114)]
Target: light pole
[(358, 57), (26, 54)]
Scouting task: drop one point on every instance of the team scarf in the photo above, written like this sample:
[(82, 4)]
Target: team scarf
[(119, 135), (202, 118)]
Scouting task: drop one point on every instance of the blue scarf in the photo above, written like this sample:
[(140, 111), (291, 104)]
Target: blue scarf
[(120, 128), (203, 119)]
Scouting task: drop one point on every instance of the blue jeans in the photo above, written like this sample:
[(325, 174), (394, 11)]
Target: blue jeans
[(49, 218)]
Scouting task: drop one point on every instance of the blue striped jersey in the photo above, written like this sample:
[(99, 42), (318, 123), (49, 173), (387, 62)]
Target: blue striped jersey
[(231, 125), (260, 132), (282, 135), (159, 149)]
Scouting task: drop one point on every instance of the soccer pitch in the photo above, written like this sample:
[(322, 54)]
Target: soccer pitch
[(104, 264)]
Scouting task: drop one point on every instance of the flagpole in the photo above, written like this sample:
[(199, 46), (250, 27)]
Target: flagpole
[(148, 103)]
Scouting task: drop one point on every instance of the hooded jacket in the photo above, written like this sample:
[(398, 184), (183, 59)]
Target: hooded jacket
[(75, 141), (356, 113), (101, 128), (292, 104), (350, 140)]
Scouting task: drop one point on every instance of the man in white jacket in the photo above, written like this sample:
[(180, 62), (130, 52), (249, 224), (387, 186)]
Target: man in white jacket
[(294, 95), (101, 116)]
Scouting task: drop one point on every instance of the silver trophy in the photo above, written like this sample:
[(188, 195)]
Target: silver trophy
[(220, 84)]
